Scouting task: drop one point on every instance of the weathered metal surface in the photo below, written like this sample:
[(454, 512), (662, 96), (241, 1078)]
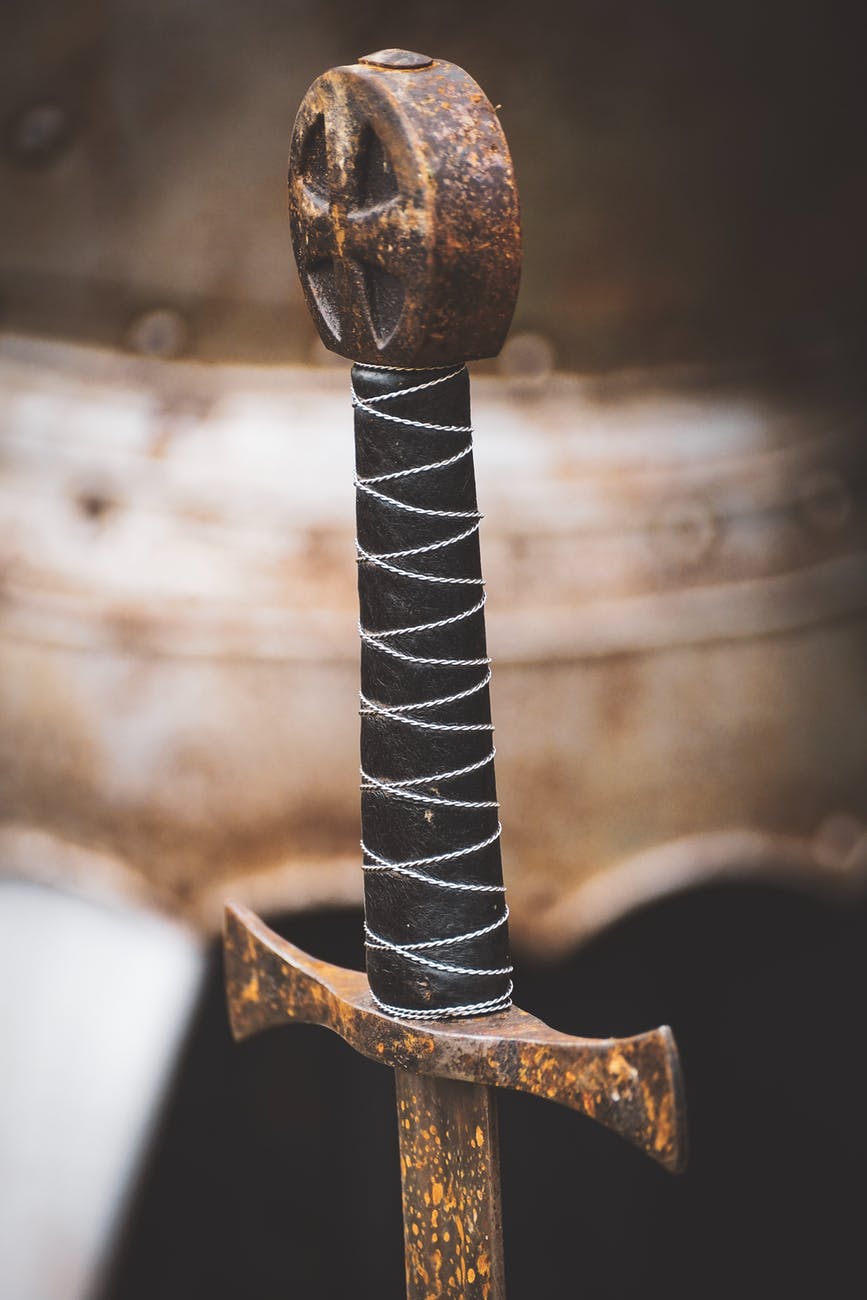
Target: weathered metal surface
[(404, 213), (630, 1085), (449, 1167), (178, 625)]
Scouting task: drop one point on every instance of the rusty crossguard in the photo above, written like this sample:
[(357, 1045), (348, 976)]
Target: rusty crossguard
[(405, 228)]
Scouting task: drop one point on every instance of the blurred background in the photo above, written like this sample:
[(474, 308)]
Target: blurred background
[(669, 458)]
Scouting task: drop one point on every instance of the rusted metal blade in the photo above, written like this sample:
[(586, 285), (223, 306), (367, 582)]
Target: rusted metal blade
[(450, 1171), (631, 1085)]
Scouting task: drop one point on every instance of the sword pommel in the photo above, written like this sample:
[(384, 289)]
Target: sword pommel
[(404, 213), (630, 1085)]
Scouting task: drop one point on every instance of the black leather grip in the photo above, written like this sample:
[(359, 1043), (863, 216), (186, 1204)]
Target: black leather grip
[(430, 826)]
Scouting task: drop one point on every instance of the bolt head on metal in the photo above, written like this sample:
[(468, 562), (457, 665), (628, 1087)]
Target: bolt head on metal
[(405, 59), (404, 213)]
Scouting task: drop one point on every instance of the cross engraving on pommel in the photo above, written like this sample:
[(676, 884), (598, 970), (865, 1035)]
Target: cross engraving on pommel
[(404, 213), (445, 1072), (363, 222)]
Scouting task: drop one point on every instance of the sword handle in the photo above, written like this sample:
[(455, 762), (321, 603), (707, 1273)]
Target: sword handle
[(435, 910), (406, 231)]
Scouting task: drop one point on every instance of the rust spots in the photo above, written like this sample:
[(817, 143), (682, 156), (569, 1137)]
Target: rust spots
[(631, 1085), (390, 175), (449, 1151), (619, 1068), (451, 1188)]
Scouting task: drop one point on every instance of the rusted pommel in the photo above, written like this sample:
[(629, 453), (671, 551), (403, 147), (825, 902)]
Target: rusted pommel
[(404, 212), (631, 1085)]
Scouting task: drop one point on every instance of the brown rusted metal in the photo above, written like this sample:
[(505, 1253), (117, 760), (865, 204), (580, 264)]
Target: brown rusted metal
[(449, 1168), (630, 1085), (404, 212)]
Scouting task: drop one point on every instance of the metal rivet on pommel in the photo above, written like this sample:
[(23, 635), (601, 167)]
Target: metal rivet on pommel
[(404, 59)]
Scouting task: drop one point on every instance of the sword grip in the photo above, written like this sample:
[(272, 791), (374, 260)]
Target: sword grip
[(435, 911)]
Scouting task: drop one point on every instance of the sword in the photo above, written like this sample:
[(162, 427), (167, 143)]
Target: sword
[(406, 232)]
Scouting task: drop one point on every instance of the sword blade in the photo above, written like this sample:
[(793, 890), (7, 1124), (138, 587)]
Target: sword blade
[(450, 1170)]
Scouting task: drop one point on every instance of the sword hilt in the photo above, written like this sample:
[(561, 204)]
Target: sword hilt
[(436, 916), (406, 231)]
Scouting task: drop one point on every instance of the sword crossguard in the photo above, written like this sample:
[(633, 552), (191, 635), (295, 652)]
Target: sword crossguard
[(630, 1085)]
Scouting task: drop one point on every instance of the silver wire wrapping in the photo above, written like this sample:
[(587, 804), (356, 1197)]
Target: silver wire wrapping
[(382, 491)]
